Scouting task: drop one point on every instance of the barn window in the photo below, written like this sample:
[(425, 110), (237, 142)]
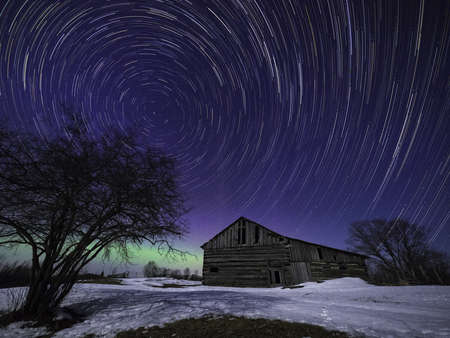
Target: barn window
[(256, 235), (342, 267), (334, 257), (213, 269), (241, 234), (319, 251)]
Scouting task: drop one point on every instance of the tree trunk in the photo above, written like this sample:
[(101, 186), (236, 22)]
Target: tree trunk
[(47, 291), (41, 296), (38, 301)]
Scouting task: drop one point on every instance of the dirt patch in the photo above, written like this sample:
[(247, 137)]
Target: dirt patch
[(293, 287), (111, 281), (165, 286), (231, 326)]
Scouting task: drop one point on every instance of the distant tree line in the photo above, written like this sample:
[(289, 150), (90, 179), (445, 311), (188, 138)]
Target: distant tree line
[(151, 269), (399, 252), (14, 274)]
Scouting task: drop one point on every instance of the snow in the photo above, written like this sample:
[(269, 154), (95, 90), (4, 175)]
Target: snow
[(20, 329), (346, 304)]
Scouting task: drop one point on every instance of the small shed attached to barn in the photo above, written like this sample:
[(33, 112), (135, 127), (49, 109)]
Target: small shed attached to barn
[(246, 253)]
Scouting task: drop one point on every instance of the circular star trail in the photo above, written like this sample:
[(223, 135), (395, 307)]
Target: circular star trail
[(304, 115)]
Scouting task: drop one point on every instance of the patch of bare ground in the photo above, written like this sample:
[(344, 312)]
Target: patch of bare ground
[(165, 286), (111, 281), (231, 326)]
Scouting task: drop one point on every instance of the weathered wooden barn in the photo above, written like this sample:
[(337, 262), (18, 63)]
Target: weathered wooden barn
[(246, 253)]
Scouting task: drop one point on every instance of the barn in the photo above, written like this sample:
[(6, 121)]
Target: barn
[(246, 253)]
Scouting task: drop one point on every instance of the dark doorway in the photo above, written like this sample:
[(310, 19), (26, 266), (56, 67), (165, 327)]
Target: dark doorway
[(277, 277)]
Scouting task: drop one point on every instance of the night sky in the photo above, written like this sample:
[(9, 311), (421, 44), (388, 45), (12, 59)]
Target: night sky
[(301, 115)]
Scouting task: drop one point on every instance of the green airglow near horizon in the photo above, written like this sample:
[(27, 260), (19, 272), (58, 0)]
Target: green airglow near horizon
[(193, 259)]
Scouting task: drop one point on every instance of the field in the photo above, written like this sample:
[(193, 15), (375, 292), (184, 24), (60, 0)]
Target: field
[(346, 304)]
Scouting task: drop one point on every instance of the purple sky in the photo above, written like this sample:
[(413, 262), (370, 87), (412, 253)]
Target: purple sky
[(301, 115)]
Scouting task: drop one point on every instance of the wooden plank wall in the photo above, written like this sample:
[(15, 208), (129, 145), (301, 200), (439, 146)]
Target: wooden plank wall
[(333, 264), (301, 272), (305, 252), (329, 270), (229, 237), (245, 266)]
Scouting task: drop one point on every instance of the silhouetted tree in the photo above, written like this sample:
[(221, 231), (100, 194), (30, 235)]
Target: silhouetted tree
[(176, 273), (187, 273), (73, 197), (399, 251), (14, 274), (164, 272), (151, 269)]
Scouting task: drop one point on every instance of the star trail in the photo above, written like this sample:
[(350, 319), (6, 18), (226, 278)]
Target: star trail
[(302, 115)]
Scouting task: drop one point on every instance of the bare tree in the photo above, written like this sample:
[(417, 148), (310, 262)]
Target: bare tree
[(187, 273), (164, 272), (151, 269), (399, 251), (74, 197), (175, 273)]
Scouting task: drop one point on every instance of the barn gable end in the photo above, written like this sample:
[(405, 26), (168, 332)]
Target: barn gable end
[(244, 233), (246, 254)]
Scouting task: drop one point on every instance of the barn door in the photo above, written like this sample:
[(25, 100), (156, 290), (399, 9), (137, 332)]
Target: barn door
[(304, 275), (301, 272)]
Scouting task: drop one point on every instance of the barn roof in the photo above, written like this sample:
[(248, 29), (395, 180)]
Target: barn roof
[(290, 238)]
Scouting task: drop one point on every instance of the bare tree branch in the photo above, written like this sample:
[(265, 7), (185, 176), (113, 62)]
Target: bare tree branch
[(399, 251)]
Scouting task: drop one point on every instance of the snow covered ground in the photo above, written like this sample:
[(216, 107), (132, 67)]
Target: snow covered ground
[(346, 304)]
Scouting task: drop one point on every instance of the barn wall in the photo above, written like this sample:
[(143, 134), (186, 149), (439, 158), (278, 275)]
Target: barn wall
[(328, 270), (245, 266), (306, 263), (305, 252)]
